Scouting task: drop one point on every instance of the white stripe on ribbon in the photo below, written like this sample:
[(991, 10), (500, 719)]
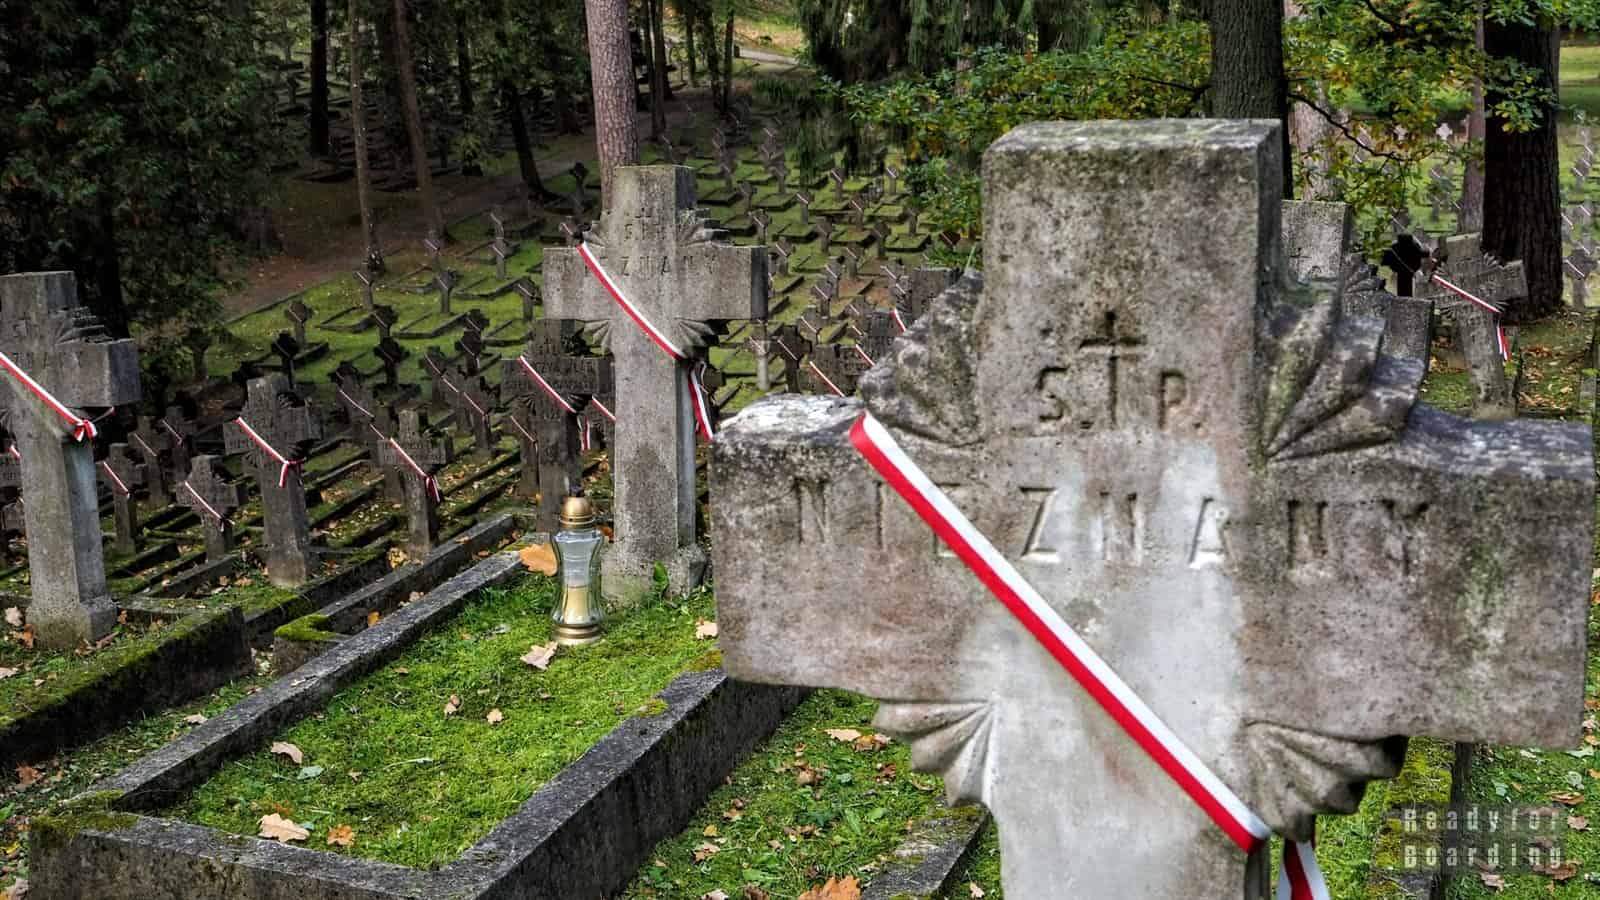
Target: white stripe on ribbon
[(428, 481), (702, 405), (825, 379), (81, 426), (603, 411), (898, 322), (121, 487), (863, 354), (539, 380), (1080, 660), (15, 453), (359, 407), (1299, 877)]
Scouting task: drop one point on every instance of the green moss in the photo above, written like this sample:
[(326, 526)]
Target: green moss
[(87, 812), (306, 628), (705, 662), (653, 707), (427, 785)]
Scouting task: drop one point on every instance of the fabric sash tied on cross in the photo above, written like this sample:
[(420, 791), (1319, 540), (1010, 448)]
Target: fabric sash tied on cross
[(428, 481), (1300, 877), (898, 322), (702, 412), (358, 407), (545, 385), (825, 379), (221, 519), (1499, 330), (285, 463), (122, 487), (82, 427)]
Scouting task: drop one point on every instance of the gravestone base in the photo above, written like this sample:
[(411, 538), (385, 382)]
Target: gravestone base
[(625, 581), (71, 624)]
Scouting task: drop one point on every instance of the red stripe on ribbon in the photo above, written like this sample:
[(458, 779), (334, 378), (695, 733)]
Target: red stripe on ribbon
[(1499, 332), (863, 354), (1104, 686), (603, 411), (585, 435), (702, 404), (221, 519), (428, 481), (286, 463), (81, 427), (898, 322), (144, 445), (362, 409), (825, 379), (15, 453)]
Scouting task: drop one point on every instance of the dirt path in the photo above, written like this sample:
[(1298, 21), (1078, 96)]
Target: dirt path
[(325, 241)]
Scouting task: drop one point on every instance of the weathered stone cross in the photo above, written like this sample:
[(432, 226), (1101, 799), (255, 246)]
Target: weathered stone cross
[(289, 425), (65, 349), (1275, 546), (657, 247), (429, 452), (151, 441), (123, 476), (547, 433), (213, 498), (1461, 262)]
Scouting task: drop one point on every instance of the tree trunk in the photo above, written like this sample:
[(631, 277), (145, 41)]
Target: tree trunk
[(1522, 188), (727, 65), (566, 115), (616, 132), (1471, 216), (107, 268), (469, 164), (526, 164), (419, 144), (319, 78), (708, 35), (358, 126), (686, 13), (658, 70), (658, 34), (1247, 76)]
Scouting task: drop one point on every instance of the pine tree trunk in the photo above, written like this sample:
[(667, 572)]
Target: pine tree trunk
[(1247, 76), (658, 109), (708, 35), (469, 164), (1471, 216), (1522, 188), (319, 78), (658, 34), (616, 132), (526, 164), (727, 65), (686, 13), (358, 126), (107, 262), (419, 144)]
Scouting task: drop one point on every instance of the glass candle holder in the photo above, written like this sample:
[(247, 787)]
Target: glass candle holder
[(578, 612)]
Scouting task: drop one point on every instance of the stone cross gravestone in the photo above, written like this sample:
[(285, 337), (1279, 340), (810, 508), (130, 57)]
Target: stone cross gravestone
[(1246, 515), (1460, 262), (371, 423), (548, 429), (152, 443), (123, 476), (474, 402), (287, 424), (213, 498), (417, 454), (66, 351), (298, 314), (180, 428), (657, 247), (365, 281)]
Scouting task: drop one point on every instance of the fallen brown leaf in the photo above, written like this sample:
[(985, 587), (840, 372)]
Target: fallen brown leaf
[(835, 889), (373, 618), (25, 636), (280, 829), (7, 673), (973, 890), (289, 750), (1498, 882), (539, 558), (195, 719), (1562, 872), (1567, 798), (1578, 823), (704, 630), (341, 836), (706, 851), (14, 617), (453, 706), (870, 742), (718, 894), (843, 734), (495, 717), (751, 892), (17, 891), (539, 657), (27, 775)]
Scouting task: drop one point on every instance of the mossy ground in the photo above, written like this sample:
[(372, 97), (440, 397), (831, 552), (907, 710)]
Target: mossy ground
[(42, 673), (417, 786), (847, 822)]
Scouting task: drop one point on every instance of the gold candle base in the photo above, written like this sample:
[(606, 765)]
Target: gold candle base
[(577, 635)]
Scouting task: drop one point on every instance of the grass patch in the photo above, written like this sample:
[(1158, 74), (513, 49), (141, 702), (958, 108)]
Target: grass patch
[(45, 674), (846, 819), (417, 786)]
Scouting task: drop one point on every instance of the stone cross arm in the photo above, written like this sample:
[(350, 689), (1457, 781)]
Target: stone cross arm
[(58, 342)]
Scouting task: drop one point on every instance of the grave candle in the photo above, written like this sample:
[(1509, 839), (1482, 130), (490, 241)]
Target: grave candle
[(578, 613)]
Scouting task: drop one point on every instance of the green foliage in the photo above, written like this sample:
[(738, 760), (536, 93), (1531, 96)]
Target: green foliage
[(127, 153)]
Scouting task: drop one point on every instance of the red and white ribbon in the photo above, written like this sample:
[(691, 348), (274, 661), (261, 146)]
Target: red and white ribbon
[(359, 408), (1499, 332), (221, 519), (863, 354), (825, 379), (520, 430), (144, 445), (539, 380), (603, 411), (428, 481), (15, 453), (702, 404), (1061, 641), (585, 434), (285, 462), (656, 335), (176, 434), (898, 322), (122, 488), (82, 427)]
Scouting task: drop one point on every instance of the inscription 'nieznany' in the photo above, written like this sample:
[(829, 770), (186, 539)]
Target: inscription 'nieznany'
[(1117, 528)]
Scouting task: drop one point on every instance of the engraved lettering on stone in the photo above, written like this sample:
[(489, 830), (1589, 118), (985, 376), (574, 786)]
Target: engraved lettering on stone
[(1041, 547), (1210, 548)]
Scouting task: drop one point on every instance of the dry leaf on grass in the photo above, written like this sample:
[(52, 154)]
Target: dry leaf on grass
[(341, 836), (1578, 823), (289, 750), (17, 891), (1563, 872), (751, 892), (7, 673), (14, 617), (1498, 882), (453, 706), (835, 889), (495, 717), (843, 734), (195, 719), (280, 829), (870, 742), (704, 630), (539, 657), (706, 851), (539, 558), (24, 637), (718, 894), (27, 775), (373, 617), (974, 890)]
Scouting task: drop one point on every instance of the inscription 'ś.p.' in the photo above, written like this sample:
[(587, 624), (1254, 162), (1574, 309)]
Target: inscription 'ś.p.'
[(1207, 470)]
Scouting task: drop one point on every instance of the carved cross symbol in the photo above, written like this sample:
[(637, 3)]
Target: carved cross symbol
[(1115, 346), (1254, 563), (657, 247)]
